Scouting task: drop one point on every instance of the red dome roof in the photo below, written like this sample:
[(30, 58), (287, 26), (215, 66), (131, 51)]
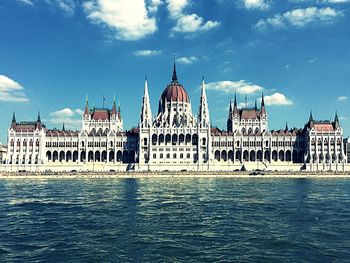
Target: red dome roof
[(175, 92)]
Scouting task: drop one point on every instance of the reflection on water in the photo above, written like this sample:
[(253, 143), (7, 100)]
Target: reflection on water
[(181, 220)]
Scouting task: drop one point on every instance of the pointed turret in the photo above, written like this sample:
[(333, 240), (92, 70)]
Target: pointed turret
[(114, 108), (146, 114), (119, 112), (63, 128), (203, 115), (230, 110), (336, 120), (286, 128), (38, 122), (311, 120), (229, 119), (86, 110), (13, 122), (174, 77), (256, 105), (235, 109), (262, 110)]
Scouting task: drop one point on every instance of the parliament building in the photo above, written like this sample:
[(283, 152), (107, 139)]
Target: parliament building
[(176, 140)]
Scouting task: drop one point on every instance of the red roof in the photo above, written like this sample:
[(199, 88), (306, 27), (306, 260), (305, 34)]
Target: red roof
[(175, 92), (100, 114), (250, 114), (324, 127)]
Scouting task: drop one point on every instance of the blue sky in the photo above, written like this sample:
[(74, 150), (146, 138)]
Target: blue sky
[(54, 52)]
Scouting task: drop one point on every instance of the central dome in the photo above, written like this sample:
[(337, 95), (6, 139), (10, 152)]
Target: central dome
[(175, 91)]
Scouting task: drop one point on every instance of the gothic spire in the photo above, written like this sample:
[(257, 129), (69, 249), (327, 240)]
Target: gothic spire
[(63, 128), (263, 110), (174, 77), (286, 128), (86, 110), (114, 107), (146, 114), (203, 115), (311, 118), (13, 122), (38, 119), (235, 110), (336, 120)]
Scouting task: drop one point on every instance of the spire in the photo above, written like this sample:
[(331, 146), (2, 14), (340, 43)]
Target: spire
[(146, 114), (235, 110), (63, 128), (263, 110), (38, 119), (256, 106), (86, 110), (13, 122), (286, 129), (114, 108), (203, 114), (336, 120), (174, 77), (230, 110), (311, 118), (14, 117)]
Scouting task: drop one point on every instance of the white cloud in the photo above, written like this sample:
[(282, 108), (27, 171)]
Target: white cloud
[(147, 53), (186, 60), (256, 4), (70, 118), (227, 86), (193, 23), (321, 1), (277, 99), (342, 98), (299, 18), (11, 91), (187, 23), (26, 2), (68, 6), (154, 5), (128, 18), (176, 7)]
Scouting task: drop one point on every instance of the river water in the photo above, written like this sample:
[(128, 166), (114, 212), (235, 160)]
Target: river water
[(175, 220)]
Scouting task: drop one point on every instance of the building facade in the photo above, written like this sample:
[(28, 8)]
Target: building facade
[(176, 140)]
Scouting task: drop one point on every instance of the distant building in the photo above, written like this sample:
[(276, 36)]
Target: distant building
[(175, 139), (347, 143), (3, 152)]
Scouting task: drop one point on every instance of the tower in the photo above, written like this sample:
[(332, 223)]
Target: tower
[(203, 114), (146, 114)]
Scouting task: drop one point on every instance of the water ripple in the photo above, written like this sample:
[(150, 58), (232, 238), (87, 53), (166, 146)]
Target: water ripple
[(175, 220)]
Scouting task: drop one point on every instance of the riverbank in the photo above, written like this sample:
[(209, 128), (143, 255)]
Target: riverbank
[(162, 174)]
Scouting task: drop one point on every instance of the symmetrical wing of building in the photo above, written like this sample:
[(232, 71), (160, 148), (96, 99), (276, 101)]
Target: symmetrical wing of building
[(176, 140)]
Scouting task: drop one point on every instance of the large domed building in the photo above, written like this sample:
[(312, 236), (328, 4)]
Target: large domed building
[(174, 140)]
